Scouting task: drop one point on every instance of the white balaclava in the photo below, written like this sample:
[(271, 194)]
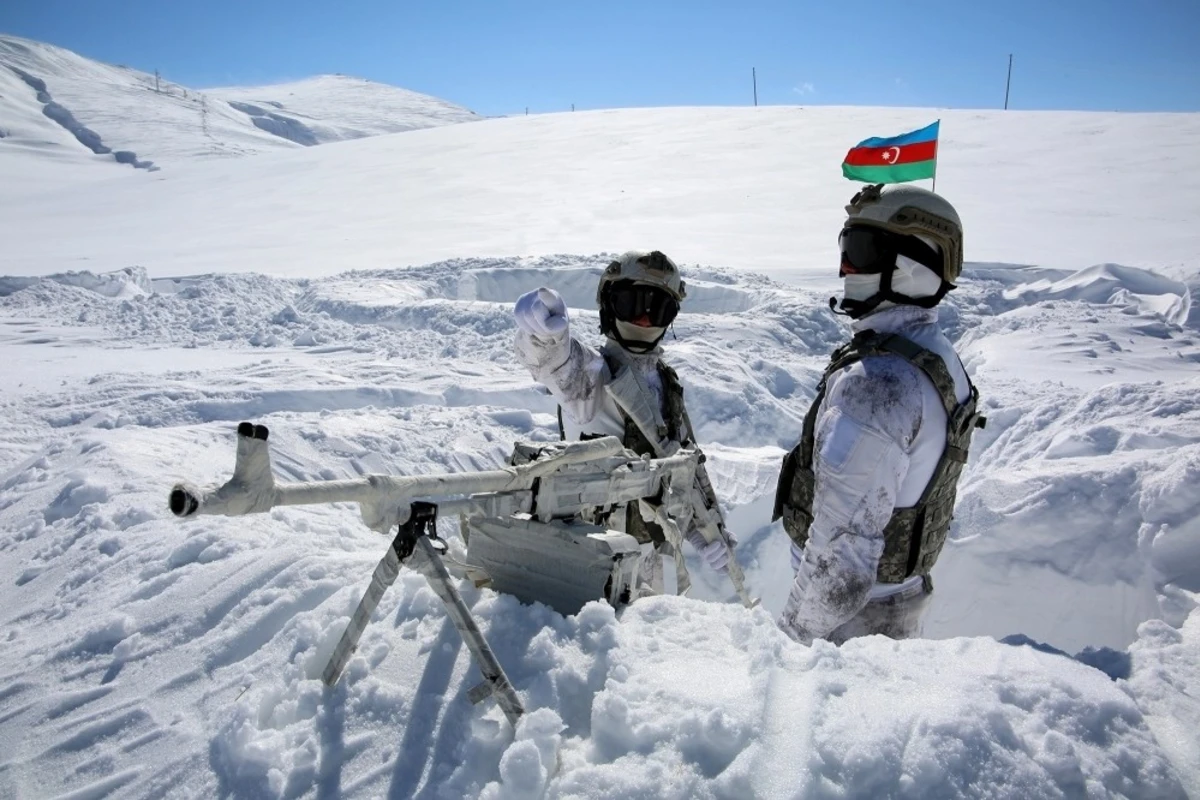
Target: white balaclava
[(909, 279), (648, 335)]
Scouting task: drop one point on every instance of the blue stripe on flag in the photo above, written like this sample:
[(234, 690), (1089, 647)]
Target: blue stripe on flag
[(926, 134)]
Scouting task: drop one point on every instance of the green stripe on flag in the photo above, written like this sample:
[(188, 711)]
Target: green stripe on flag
[(898, 173)]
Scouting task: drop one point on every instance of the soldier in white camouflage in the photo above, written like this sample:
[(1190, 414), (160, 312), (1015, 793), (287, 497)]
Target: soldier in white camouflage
[(623, 389), (868, 493)]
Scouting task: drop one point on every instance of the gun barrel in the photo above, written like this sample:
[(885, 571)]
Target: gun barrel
[(399, 489), (252, 488)]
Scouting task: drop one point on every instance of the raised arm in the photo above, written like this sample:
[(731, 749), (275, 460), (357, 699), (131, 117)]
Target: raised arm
[(572, 371)]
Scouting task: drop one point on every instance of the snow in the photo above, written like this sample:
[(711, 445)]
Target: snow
[(356, 298)]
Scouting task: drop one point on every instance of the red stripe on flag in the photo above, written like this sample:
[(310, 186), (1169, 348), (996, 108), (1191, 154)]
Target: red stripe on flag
[(896, 154)]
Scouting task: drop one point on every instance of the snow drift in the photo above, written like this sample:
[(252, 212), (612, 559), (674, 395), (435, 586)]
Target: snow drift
[(145, 655)]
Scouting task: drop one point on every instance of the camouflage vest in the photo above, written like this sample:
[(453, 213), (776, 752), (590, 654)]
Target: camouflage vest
[(675, 417), (914, 536)]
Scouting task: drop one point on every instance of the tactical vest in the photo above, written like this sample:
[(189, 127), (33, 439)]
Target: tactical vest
[(914, 536), (674, 419)]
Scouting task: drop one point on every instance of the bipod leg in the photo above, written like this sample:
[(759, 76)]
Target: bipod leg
[(418, 536), (384, 576), (495, 682)]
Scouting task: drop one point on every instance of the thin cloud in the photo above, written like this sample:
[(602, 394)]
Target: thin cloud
[(804, 88)]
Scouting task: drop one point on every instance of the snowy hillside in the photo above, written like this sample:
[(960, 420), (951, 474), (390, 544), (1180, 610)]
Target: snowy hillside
[(61, 105), (149, 657), (760, 188)]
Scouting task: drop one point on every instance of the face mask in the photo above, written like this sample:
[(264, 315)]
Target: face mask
[(860, 287), (639, 339), (913, 279)]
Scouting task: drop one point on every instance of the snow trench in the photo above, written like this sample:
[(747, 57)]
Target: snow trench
[(86, 136), (120, 283), (578, 288)]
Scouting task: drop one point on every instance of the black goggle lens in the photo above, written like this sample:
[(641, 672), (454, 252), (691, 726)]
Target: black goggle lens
[(866, 250), (631, 302)]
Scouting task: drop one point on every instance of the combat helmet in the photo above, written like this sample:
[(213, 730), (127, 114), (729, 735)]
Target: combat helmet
[(639, 295), (884, 222)]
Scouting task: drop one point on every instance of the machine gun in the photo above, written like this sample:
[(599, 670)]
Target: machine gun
[(533, 529)]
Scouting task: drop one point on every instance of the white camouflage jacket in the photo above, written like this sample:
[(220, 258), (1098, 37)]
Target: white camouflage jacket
[(880, 431), (576, 375)]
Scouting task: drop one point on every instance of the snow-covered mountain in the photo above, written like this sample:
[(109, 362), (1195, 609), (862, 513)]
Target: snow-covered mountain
[(357, 300), (68, 107), (331, 108)]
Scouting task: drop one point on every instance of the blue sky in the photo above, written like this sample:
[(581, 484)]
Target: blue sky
[(502, 56)]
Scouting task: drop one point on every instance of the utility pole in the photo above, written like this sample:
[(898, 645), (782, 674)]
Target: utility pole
[(1008, 82), (754, 80), (156, 81)]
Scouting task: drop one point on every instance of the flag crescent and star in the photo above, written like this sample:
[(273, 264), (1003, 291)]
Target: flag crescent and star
[(908, 157)]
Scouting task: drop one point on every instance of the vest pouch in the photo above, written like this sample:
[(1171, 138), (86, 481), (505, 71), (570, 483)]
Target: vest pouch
[(794, 496)]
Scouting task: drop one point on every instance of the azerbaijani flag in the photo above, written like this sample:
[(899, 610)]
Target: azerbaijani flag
[(908, 157)]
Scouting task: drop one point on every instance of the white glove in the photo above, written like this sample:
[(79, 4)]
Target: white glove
[(715, 552), (541, 312), (797, 557)]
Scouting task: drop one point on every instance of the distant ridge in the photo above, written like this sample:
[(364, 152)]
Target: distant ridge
[(61, 105), (365, 108)]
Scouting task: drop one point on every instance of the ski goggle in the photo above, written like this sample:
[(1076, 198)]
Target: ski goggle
[(632, 302), (867, 250)]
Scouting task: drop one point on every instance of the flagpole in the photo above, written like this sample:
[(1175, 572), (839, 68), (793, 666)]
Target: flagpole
[(935, 149)]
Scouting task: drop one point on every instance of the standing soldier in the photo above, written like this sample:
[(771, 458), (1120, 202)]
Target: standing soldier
[(867, 495)]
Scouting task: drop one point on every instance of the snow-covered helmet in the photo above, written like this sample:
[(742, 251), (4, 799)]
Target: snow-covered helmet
[(639, 295), (903, 231)]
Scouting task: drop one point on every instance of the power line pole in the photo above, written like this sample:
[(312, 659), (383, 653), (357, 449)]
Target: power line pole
[(754, 80), (1008, 82), (156, 81)]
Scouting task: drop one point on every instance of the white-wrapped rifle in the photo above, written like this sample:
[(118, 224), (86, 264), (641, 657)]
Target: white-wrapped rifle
[(628, 390), (536, 503)]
